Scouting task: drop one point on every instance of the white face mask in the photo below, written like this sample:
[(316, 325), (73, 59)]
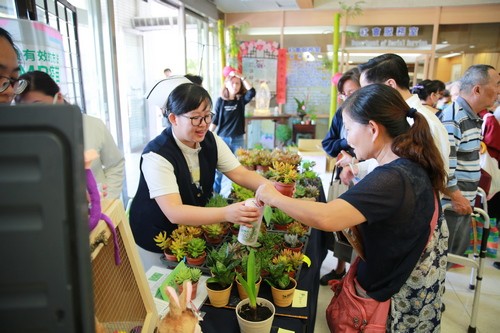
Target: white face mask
[(54, 101)]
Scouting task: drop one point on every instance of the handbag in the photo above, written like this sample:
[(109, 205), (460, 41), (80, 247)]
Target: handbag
[(351, 313), (490, 181)]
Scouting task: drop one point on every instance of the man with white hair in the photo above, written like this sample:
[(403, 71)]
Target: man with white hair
[(479, 88)]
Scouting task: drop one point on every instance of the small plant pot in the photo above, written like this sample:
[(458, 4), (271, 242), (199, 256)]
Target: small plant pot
[(170, 257), (285, 189), (241, 291), (214, 240), (194, 291), (284, 297), (297, 248), (282, 227), (197, 261), (219, 298), (262, 326), (262, 168)]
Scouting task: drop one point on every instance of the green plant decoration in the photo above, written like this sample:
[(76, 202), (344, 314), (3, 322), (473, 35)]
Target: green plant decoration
[(222, 265), (217, 200), (196, 247), (283, 134), (240, 193), (213, 230), (280, 217), (249, 283), (186, 273), (278, 277)]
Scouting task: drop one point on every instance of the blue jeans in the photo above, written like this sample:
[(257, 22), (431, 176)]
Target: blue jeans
[(233, 143)]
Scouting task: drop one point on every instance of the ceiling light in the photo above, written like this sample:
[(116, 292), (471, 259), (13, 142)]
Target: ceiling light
[(451, 55), (472, 46)]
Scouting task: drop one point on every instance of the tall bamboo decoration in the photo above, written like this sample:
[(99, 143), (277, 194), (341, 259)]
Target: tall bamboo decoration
[(335, 66), (222, 46)]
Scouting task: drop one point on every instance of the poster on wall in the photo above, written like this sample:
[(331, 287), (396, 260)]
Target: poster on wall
[(260, 62), (40, 47)]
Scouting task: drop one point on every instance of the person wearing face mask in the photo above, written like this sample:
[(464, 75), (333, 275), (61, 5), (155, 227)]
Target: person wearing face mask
[(178, 171), (109, 168), (10, 84), (229, 119)]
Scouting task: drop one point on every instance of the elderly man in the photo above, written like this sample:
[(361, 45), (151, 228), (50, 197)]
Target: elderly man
[(478, 90), (9, 69)]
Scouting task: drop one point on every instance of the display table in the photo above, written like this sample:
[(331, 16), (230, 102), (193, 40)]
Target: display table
[(217, 320)]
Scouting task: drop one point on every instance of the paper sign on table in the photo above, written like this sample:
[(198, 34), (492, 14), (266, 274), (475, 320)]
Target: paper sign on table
[(299, 299)]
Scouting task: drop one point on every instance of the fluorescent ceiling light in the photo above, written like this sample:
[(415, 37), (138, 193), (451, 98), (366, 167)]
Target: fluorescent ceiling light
[(451, 55)]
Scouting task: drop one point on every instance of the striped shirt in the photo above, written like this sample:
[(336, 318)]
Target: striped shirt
[(464, 133)]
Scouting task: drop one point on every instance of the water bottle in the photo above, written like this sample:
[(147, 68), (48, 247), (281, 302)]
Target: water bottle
[(248, 236)]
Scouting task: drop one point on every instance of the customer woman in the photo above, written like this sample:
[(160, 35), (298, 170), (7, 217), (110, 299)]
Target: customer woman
[(177, 174), (229, 119), (392, 208), (109, 167), (429, 92)]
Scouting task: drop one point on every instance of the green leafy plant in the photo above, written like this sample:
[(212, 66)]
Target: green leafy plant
[(249, 283), (280, 217), (179, 246), (213, 230), (283, 134), (278, 277), (186, 273), (222, 265), (196, 247), (240, 193), (294, 231), (217, 200)]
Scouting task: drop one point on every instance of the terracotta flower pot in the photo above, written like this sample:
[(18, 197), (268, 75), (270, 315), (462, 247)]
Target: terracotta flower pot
[(285, 189), (170, 256), (297, 248), (194, 291), (197, 261)]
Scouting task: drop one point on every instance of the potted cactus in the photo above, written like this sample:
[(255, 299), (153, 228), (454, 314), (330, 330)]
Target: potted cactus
[(214, 233), (284, 176), (165, 243)]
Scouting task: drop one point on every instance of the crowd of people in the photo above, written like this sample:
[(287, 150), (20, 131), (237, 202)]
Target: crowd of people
[(411, 154)]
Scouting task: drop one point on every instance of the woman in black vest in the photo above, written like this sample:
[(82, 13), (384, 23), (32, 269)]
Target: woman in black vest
[(177, 174)]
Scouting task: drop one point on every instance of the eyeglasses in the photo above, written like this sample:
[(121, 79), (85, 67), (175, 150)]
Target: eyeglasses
[(196, 121), (18, 85)]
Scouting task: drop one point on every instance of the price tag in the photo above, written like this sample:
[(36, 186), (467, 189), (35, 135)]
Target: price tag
[(282, 330)]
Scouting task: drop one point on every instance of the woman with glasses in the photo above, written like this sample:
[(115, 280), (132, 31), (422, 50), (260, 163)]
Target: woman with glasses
[(177, 174), (10, 85), (109, 168)]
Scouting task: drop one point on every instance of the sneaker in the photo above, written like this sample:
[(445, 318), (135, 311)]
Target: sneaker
[(455, 266), (331, 276), (496, 264)]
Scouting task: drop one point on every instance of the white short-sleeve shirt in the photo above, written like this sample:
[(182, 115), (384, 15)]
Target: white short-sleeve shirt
[(159, 172)]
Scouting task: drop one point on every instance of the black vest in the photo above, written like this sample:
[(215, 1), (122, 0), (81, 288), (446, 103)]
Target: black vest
[(146, 217)]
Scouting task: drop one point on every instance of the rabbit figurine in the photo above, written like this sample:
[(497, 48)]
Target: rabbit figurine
[(180, 318)]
